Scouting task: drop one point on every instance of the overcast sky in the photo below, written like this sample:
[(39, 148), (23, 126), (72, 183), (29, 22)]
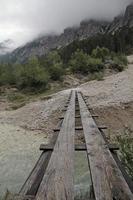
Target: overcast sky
[(23, 20)]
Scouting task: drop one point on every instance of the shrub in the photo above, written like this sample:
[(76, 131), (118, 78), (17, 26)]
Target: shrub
[(53, 58), (119, 63), (15, 97), (7, 74), (56, 71), (31, 75), (100, 53), (83, 63), (95, 65), (123, 59), (126, 149), (54, 65), (79, 62), (96, 76)]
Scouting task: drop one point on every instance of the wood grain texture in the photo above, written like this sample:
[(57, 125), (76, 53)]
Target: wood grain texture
[(58, 183), (31, 185), (78, 147), (108, 181)]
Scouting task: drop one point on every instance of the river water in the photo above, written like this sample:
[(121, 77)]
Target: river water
[(19, 151)]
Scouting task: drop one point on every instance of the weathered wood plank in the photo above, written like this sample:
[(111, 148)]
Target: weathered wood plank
[(108, 181), (58, 183), (78, 117), (18, 197), (31, 185), (50, 147), (78, 147), (80, 128)]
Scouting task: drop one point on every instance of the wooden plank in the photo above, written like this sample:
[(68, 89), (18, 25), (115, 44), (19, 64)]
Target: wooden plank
[(50, 147), (108, 181), (19, 197), (123, 170), (31, 185), (102, 127), (113, 147), (80, 128), (78, 147), (58, 183), (78, 117)]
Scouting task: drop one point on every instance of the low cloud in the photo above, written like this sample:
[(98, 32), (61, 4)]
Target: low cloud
[(24, 20)]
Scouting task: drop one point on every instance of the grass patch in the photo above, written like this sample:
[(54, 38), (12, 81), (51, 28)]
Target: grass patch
[(99, 76), (125, 142), (16, 97), (126, 153), (17, 106)]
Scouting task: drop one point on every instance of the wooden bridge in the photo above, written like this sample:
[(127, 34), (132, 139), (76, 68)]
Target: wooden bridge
[(53, 175)]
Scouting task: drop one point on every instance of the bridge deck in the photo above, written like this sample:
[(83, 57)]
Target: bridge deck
[(53, 176), (108, 181), (58, 181)]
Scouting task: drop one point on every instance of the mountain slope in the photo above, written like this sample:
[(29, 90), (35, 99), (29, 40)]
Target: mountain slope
[(121, 21), (43, 45), (87, 28)]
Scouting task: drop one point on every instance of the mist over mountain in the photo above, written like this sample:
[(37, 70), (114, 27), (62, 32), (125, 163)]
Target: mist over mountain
[(87, 28), (6, 46), (23, 21)]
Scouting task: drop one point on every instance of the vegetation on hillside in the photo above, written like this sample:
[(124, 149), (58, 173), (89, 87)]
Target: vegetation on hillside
[(37, 73), (120, 42), (34, 74), (89, 57), (126, 152)]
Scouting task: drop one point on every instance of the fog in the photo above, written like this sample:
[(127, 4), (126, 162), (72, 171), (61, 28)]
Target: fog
[(21, 21)]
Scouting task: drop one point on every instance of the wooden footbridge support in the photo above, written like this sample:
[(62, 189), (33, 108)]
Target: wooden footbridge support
[(53, 175)]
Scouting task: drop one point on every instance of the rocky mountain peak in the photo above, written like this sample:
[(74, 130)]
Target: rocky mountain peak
[(128, 17), (86, 29)]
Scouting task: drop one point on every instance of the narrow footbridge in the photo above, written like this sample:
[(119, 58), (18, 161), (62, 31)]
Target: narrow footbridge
[(53, 175)]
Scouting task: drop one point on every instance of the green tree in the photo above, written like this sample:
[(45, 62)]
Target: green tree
[(55, 66), (32, 74), (79, 62), (7, 74), (95, 65), (100, 53)]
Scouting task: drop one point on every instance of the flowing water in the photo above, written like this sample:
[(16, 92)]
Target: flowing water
[(19, 151), (82, 177)]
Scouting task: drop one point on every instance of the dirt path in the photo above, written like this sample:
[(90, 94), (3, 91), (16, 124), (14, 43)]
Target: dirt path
[(114, 90)]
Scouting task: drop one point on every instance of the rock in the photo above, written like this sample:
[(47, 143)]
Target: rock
[(128, 17)]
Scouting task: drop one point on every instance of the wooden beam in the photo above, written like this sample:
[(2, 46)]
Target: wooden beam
[(32, 183), (80, 128), (78, 147), (113, 147), (123, 170), (66, 106), (102, 127), (76, 117), (49, 147), (58, 181), (108, 181), (21, 197)]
